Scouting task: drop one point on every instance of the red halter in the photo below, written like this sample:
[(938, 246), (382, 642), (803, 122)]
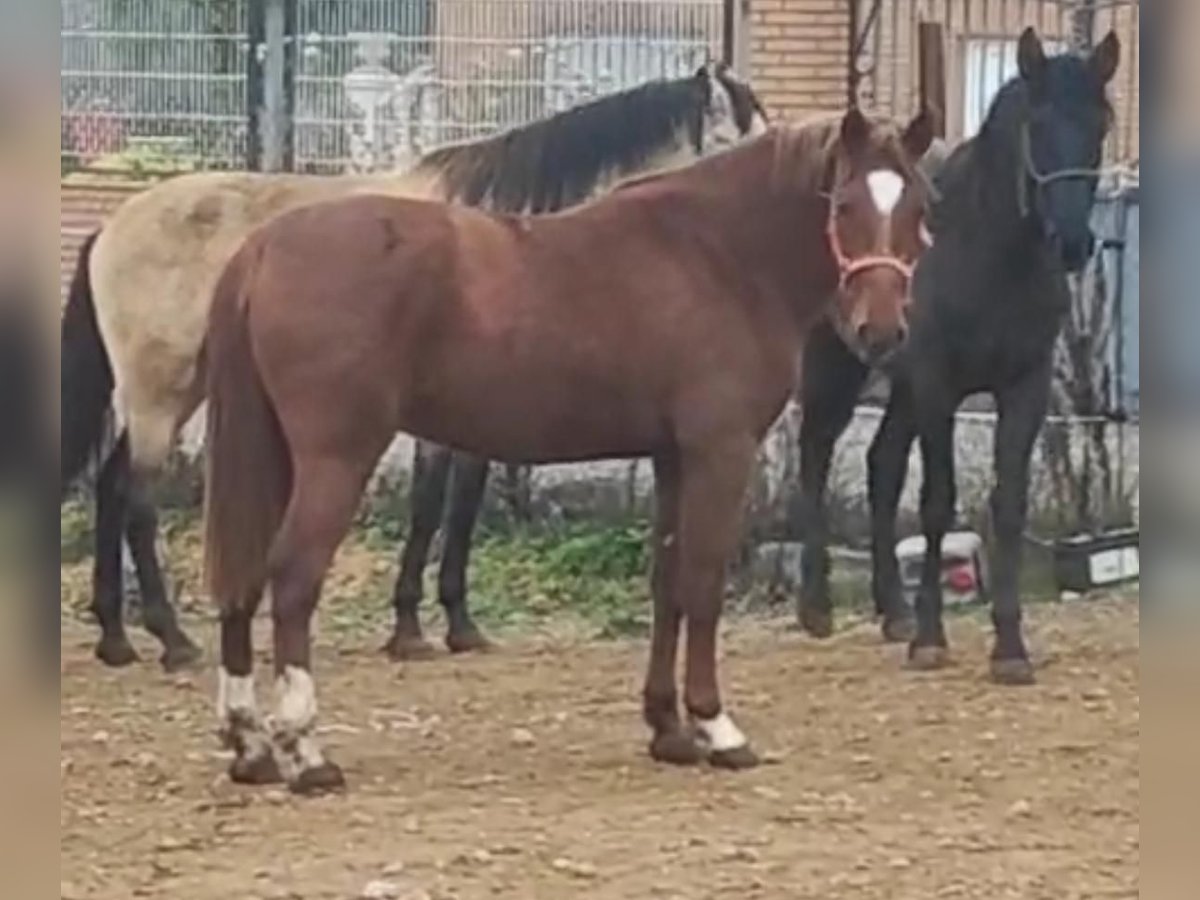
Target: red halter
[(849, 266)]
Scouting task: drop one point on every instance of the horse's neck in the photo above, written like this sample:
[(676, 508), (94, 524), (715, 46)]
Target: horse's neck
[(986, 205), (769, 229)]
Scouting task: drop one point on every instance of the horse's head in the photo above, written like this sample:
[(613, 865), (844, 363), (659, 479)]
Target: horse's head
[(876, 229), (731, 111), (1062, 139)]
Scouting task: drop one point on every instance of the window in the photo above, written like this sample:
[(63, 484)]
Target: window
[(988, 63)]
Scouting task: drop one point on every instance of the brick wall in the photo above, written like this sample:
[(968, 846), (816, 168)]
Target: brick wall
[(893, 51), (798, 54), (798, 51), (83, 207)]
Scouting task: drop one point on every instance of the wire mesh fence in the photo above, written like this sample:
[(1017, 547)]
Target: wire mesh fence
[(168, 84), (380, 81), (154, 83)]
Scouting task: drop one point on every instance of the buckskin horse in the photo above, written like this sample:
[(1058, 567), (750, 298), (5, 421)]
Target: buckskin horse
[(1011, 221), (664, 319), (138, 303)]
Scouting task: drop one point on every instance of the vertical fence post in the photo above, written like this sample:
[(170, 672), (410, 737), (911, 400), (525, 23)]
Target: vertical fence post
[(931, 56), (256, 44), (737, 36), (1083, 25), (273, 121)]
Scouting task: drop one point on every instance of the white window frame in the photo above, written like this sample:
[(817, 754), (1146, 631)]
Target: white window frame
[(989, 60)]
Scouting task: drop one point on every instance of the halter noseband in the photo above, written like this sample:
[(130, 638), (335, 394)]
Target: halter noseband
[(849, 266), (1030, 172)]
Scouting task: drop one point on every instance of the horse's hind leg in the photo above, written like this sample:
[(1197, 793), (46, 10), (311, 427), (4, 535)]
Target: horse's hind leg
[(468, 479), (431, 470), (325, 496), (113, 648), (887, 466), (141, 530), (241, 725)]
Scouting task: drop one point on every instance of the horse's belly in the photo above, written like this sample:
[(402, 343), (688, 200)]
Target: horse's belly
[(534, 420)]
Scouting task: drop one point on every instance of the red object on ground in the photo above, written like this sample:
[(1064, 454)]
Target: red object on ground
[(961, 578)]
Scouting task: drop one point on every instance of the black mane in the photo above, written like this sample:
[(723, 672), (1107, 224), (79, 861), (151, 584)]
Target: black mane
[(978, 181), (558, 162)]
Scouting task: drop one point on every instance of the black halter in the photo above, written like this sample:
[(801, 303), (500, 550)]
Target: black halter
[(1030, 172)]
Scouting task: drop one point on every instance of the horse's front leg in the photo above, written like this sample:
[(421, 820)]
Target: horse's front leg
[(935, 423), (887, 467), (713, 481), (671, 742), (1022, 408), (832, 379)]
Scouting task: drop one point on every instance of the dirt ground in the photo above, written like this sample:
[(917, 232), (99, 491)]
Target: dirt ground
[(522, 774)]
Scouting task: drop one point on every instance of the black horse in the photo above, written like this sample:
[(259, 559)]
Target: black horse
[(1012, 219)]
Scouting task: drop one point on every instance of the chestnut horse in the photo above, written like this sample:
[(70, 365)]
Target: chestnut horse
[(665, 320), (139, 300)]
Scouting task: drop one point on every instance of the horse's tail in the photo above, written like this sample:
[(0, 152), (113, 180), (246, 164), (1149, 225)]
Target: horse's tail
[(87, 375), (249, 477)]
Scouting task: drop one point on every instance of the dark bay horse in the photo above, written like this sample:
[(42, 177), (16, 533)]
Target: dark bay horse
[(1011, 221), (138, 304), (663, 320)]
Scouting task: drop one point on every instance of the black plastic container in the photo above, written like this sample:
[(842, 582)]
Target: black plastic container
[(1089, 561)]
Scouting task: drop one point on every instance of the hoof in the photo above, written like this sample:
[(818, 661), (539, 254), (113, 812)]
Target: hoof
[(677, 748), (326, 778), (116, 652), (1012, 671), (409, 648), (255, 770), (817, 623), (899, 630), (471, 641), (737, 759), (927, 658), (180, 655)]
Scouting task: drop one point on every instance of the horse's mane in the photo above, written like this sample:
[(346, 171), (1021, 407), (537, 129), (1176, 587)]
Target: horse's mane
[(812, 144), (559, 161), (802, 153)]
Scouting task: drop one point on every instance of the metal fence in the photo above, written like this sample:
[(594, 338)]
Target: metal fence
[(980, 43), (379, 81), (174, 84), (154, 83)]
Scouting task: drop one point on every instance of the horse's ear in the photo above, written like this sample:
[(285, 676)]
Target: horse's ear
[(1031, 57), (1106, 57), (856, 131), (918, 135)]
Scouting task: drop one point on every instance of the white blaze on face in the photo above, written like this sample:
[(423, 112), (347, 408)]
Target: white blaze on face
[(886, 187), (721, 733)]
